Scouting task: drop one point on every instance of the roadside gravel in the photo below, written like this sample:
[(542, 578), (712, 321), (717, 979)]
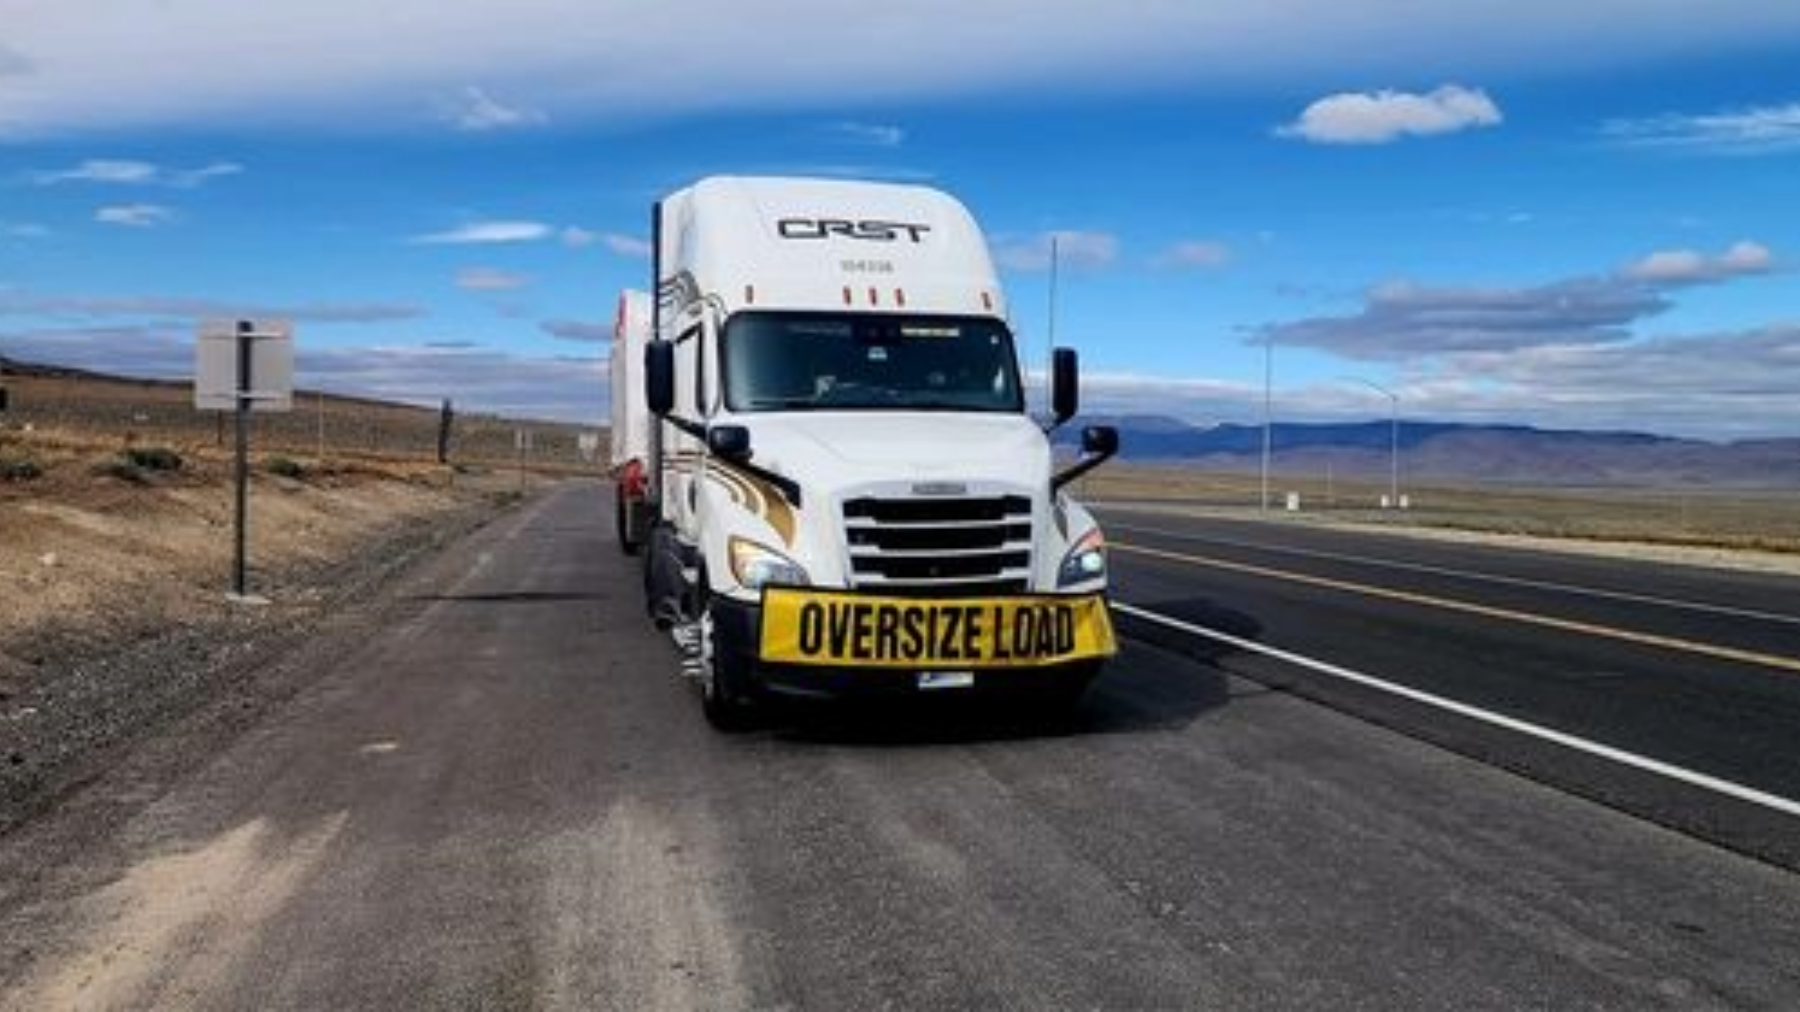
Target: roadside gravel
[(79, 696)]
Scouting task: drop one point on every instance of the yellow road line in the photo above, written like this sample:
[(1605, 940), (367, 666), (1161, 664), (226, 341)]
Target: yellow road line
[(1468, 608)]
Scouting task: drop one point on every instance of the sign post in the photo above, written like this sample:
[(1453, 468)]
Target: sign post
[(243, 368)]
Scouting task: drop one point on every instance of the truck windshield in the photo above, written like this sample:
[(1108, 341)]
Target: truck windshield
[(833, 362)]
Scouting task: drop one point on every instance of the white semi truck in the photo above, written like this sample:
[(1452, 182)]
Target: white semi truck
[(845, 493)]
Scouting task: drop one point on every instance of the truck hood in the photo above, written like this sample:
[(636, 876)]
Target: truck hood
[(833, 449)]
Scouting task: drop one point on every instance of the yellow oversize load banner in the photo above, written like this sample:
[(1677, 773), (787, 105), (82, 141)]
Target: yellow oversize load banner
[(867, 631)]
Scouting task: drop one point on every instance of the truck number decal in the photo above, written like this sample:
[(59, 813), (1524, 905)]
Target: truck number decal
[(867, 231), (808, 627)]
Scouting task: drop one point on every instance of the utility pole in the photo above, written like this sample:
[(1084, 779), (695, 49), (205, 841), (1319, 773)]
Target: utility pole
[(1393, 437), (1268, 412), (445, 419)]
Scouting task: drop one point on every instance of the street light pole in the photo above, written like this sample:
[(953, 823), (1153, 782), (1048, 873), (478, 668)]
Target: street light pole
[(1268, 399), (1393, 437)]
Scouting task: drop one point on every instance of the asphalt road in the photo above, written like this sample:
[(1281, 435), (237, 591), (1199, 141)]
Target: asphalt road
[(1695, 668), (508, 800)]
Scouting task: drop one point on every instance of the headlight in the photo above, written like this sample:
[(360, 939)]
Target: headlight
[(756, 566), (1086, 561)]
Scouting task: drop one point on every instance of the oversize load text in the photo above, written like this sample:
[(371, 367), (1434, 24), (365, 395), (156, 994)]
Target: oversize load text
[(886, 632)]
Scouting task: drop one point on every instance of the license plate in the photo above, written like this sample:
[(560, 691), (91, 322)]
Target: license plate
[(946, 679), (956, 635)]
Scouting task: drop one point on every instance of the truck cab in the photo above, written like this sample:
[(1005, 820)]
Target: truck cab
[(846, 492)]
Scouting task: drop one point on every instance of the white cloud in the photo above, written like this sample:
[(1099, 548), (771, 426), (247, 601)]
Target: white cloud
[(577, 330), (482, 233), (626, 245), (475, 111), (134, 215), (1688, 267), (187, 178), (617, 242), (1760, 130), (1073, 249), (490, 279), (23, 230), (99, 170), (1194, 254), (878, 135), (1384, 116), (478, 379), (1402, 321), (1730, 385), (125, 172), (24, 304), (85, 65)]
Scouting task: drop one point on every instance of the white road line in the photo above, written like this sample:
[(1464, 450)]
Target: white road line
[(1463, 574), (1763, 799)]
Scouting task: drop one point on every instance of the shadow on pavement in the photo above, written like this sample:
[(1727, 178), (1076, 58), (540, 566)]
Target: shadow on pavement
[(1142, 690), (1198, 611)]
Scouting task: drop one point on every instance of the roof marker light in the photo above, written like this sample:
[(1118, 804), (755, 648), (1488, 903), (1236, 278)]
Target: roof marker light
[(900, 297), (749, 295), (874, 296), (847, 295), (987, 301)]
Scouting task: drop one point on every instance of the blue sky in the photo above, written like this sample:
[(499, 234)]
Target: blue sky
[(1565, 215)]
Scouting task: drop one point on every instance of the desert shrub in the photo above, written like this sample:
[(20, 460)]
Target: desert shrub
[(20, 470), (152, 458), (122, 469), (285, 467)]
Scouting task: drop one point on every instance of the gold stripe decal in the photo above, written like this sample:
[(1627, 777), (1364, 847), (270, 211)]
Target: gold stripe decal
[(868, 631), (748, 491), (760, 497)]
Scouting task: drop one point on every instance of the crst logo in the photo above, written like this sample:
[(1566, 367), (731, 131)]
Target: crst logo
[(867, 231)]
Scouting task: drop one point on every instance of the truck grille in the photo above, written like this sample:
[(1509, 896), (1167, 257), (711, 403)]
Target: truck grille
[(940, 546)]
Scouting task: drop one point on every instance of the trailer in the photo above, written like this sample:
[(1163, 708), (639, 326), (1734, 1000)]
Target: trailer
[(631, 422)]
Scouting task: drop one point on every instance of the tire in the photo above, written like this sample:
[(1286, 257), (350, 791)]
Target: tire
[(725, 700), (621, 525)]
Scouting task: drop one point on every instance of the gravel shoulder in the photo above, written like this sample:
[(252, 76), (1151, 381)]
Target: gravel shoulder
[(115, 633)]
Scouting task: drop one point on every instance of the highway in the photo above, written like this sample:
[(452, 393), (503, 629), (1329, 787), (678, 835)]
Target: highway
[(506, 799), (1690, 668)]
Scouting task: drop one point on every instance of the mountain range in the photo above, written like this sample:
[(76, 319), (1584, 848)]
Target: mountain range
[(1460, 453)]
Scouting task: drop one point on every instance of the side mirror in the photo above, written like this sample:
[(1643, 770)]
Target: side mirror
[(1100, 440), (729, 441), (659, 377), (1098, 444), (1065, 384)]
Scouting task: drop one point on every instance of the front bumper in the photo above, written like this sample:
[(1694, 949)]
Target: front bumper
[(738, 645)]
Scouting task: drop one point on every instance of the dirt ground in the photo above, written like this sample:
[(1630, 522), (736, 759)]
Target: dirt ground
[(93, 537), (114, 617)]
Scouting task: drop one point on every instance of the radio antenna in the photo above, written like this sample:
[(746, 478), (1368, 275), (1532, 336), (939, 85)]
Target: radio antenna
[(1050, 350)]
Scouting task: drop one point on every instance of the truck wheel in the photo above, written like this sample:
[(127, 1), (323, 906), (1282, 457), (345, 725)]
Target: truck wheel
[(620, 524), (723, 699)]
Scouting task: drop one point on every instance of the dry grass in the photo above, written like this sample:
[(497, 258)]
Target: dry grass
[(321, 429), (1735, 519), (103, 526)]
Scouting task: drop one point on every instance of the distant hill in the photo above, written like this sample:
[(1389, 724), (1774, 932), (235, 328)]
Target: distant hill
[(1501, 454)]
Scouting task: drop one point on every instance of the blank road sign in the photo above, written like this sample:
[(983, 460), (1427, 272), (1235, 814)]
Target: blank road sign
[(271, 385)]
